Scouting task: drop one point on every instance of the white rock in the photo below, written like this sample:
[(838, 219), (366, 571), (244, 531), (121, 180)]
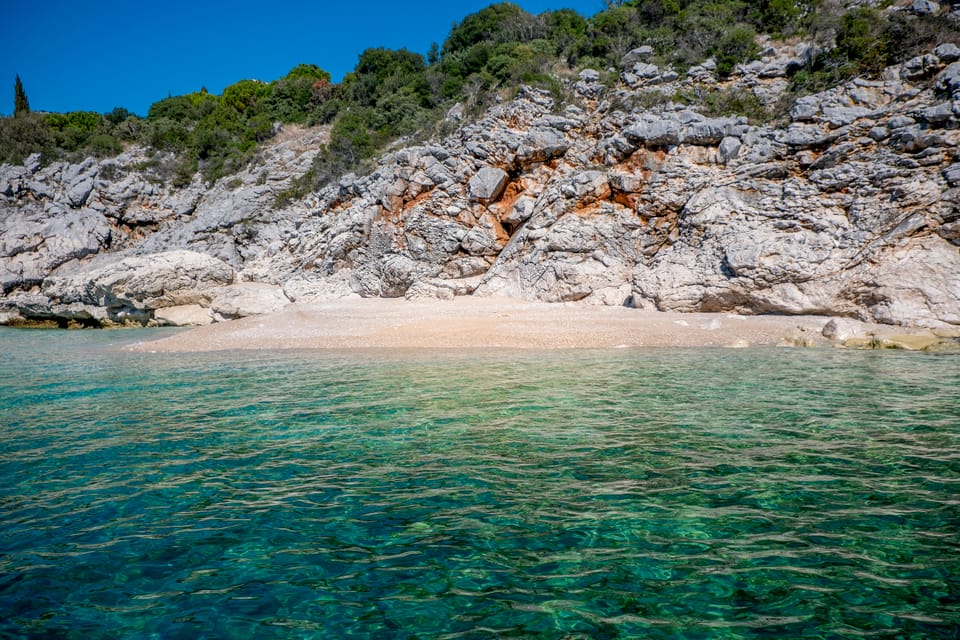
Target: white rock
[(247, 299), (183, 315), (487, 185), (843, 329)]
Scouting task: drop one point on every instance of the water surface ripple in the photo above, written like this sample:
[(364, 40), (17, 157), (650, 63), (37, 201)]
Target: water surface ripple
[(621, 494)]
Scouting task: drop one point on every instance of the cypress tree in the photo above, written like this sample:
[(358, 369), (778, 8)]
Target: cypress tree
[(20, 103)]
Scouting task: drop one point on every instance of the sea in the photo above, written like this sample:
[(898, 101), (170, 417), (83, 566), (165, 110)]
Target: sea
[(631, 493)]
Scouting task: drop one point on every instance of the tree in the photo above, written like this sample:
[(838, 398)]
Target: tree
[(21, 106), (308, 71)]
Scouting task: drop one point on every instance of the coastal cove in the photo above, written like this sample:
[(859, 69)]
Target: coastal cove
[(602, 493), (642, 323)]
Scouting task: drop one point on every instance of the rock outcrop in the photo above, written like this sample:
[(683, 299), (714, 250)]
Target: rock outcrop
[(849, 207)]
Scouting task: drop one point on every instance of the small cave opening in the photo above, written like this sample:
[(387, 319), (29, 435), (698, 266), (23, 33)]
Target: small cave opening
[(78, 323)]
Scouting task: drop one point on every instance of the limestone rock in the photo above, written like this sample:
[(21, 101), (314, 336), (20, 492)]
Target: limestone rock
[(730, 148), (427, 291), (11, 317), (703, 72), (952, 174), (655, 133), (924, 7), (910, 342), (589, 85), (805, 109), (589, 75), (35, 243), (32, 163), (247, 299), (636, 55), (487, 185), (948, 82), (917, 282), (540, 145), (921, 66), (187, 315), (79, 191), (947, 52), (843, 329), (310, 287), (141, 283)]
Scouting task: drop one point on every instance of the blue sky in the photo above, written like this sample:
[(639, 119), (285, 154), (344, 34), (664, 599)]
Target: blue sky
[(104, 54)]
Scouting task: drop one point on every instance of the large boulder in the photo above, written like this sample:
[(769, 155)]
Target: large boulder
[(185, 315), (487, 185), (542, 144), (141, 283), (247, 299), (655, 133), (34, 243), (924, 7), (948, 82)]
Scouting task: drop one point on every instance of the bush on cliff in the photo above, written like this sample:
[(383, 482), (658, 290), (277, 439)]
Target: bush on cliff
[(23, 135), (866, 40)]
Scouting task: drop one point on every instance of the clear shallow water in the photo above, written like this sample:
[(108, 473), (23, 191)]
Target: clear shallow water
[(647, 494)]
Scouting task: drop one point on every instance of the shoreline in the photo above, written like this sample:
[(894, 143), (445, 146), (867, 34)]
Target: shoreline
[(506, 323)]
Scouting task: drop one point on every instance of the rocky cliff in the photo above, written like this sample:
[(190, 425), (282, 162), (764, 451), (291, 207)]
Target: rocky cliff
[(620, 196)]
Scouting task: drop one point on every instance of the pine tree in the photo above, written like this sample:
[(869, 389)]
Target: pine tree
[(21, 106)]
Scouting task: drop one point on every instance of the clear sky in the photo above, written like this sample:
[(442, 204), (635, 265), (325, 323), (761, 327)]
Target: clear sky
[(109, 53)]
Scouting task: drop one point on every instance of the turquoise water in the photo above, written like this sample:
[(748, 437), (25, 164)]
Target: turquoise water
[(593, 494)]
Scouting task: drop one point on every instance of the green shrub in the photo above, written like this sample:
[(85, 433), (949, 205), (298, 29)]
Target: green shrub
[(496, 23), (735, 47), (652, 12), (110, 171), (84, 121), (565, 28), (298, 187), (258, 128), (243, 96), (177, 108), (352, 137), (103, 145), (778, 16), (184, 170), (166, 134), (862, 40), (611, 34), (289, 100), (23, 135), (726, 102), (118, 115)]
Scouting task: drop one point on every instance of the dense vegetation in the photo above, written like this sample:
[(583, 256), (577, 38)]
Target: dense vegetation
[(394, 93)]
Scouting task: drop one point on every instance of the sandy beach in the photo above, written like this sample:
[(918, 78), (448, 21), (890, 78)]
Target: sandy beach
[(492, 323)]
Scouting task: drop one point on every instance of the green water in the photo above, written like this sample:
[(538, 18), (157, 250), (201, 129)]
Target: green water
[(587, 494)]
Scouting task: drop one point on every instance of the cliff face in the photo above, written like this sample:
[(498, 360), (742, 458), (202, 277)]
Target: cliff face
[(851, 209)]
